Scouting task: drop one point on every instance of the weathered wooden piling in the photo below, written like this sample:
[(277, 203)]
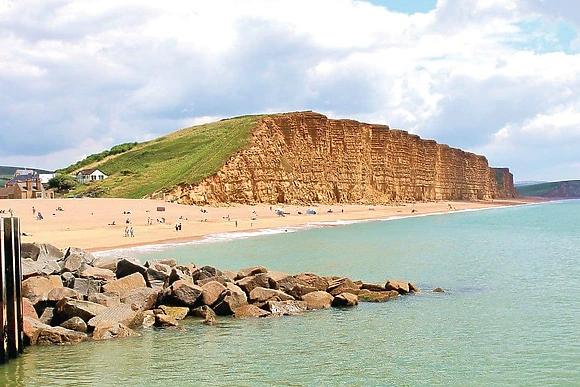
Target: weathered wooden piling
[(11, 319)]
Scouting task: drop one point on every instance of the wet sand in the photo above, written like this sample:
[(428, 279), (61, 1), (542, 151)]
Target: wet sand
[(88, 223)]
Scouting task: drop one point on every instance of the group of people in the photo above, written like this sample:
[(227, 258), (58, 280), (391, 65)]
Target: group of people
[(177, 226), (129, 231)]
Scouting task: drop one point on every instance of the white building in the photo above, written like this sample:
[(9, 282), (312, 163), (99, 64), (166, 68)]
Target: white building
[(88, 175)]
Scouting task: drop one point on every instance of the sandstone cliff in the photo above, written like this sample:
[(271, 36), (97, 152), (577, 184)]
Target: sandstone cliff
[(307, 158)]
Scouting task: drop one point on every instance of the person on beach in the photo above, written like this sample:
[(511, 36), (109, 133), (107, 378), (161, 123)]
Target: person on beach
[(132, 232), (236, 223), (33, 210), (127, 231)]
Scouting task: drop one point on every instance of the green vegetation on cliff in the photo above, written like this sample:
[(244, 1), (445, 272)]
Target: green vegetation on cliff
[(557, 189), (184, 157)]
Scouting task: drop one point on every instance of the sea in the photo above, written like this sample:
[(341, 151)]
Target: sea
[(509, 316)]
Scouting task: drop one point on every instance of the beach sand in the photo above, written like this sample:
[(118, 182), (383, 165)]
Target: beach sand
[(87, 222)]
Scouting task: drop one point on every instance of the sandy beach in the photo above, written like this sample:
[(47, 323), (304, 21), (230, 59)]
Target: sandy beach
[(99, 224)]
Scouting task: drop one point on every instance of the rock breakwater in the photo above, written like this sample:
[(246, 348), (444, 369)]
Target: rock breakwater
[(70, 296)]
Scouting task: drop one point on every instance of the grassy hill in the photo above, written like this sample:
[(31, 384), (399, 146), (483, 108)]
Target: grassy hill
[(557, 189), (7, 173), (184, 157)]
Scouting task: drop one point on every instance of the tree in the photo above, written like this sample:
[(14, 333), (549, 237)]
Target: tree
[(62, 182)]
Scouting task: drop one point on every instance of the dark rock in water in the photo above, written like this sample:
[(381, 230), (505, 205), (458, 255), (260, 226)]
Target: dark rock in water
[(144, 298), (122, 313), (98, 274), (250, 271), (342, 285), (345, 299), (84, 309), (286, 308), (106, 330), (233, 298), (86, 286), (75, 324), (413, 288), (106, 299), (177, 312), (125, 284), (260, 294), (211, 292), (126, 267), (318, 300), (438, 290), (186, 292), (400, 286), (36, 289), (47, 315), (165, 321), (250, 311), (366, 295)]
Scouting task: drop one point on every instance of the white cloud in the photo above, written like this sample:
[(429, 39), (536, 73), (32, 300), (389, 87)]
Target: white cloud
[(78, 76)]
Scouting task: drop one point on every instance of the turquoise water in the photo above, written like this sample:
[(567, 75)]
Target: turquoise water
[(510, 316)]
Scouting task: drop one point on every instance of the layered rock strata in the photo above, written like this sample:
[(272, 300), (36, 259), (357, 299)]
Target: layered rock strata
[(300, 158)]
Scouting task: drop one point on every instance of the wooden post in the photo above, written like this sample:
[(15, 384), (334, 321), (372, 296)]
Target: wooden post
[(11, 319)]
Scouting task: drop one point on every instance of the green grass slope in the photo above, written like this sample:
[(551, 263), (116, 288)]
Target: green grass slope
[(184, 157), (557, 189)]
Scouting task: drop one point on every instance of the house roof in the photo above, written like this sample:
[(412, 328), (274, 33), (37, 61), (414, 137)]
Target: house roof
[(23, 178), (25, 172), (87, 172), (7, 191)]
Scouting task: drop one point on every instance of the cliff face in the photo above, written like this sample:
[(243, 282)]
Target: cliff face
[(305, 157)]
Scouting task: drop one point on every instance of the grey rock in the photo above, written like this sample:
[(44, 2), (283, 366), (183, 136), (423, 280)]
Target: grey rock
[(86, 310), (75, 324), (86, 286), (286, 308), (106, 330), (121, 313), (143, 298), (106, 299)]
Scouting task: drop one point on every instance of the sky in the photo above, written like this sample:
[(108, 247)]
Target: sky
[(499, 78)]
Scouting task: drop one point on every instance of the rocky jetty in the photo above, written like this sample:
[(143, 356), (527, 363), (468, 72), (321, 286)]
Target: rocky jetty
[(70, 296)]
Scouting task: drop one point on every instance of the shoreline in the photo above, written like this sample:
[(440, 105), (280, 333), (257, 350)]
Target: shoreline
[(88, 223)]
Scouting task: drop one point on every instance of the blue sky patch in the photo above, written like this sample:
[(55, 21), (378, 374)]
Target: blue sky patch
[(541, 37), (406, 6)]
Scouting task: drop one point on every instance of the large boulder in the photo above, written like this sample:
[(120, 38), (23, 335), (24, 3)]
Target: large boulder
[(342, 285), (211, 292), (28, 309), (413, 288), (373, 287), (206, 313), (106, 299), (86, 286), (87, 257), (74, 263), (247, 272), (400, 286), (366, 295), (125, 284), (318, 300), (345, 299), (179, 272), (165, 321), (38, 333), (47, 315), (122, 313), (98, 274), (105, 330), (171, 262), (260, 294), (36, 289), (68, 279), (157, 275), (86, 310), (45, 251), (286, 308), (247, 284), (142, 298), (32, 268), (233, 298), (299, 290), (250, 311), (312, 280), (57, 294), (127, 267), (185, 292), (75, 324), (177, 312)]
